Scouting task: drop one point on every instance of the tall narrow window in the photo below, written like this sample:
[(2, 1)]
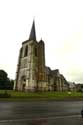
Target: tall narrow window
[(26, 51), (21, 52), (36, 51)]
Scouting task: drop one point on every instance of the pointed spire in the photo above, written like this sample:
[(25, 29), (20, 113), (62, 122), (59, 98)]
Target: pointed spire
[(33, 33)]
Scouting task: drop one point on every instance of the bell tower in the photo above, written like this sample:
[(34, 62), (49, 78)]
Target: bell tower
[(30, 73)]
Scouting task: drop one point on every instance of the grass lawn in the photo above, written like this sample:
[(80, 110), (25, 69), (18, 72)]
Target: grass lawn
[(15, 95)]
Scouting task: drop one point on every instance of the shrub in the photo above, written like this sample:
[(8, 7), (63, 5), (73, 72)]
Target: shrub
[(5, 95)]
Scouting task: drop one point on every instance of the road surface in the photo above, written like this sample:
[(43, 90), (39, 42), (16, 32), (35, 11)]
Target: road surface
[(41, 113)]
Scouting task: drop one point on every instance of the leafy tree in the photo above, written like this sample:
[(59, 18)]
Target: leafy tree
[(5, 82), (3, 75), (11, 83)]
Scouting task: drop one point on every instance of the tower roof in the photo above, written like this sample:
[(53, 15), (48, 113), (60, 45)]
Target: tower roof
[(33, 32)]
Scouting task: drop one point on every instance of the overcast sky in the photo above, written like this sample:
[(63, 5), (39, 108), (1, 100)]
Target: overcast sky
[(58, 22)]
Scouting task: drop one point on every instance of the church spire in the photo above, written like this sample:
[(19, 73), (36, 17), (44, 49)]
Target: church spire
[(33, 33)]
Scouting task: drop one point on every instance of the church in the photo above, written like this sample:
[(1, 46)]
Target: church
[(32, 74)]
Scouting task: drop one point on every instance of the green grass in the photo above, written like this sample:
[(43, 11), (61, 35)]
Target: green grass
[(43, 95)]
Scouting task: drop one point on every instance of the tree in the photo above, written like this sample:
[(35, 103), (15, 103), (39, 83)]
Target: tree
[(3, 75), (11, 84), (5, 82)]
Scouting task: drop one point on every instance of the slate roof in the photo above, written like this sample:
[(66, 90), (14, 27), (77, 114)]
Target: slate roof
[(33, 32)]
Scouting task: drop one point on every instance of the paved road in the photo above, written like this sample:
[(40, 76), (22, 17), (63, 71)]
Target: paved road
[(41, 113)]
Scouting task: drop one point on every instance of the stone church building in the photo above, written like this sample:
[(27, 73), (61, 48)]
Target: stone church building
[(32, 73)]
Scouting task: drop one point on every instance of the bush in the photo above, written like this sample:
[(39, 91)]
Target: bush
[(5, 95)]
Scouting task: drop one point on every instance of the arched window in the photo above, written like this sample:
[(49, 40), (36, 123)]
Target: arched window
[(26, 51), (36, 54), (21, 52)]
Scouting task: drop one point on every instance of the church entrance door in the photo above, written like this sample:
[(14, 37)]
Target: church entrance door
[(23, 83)]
